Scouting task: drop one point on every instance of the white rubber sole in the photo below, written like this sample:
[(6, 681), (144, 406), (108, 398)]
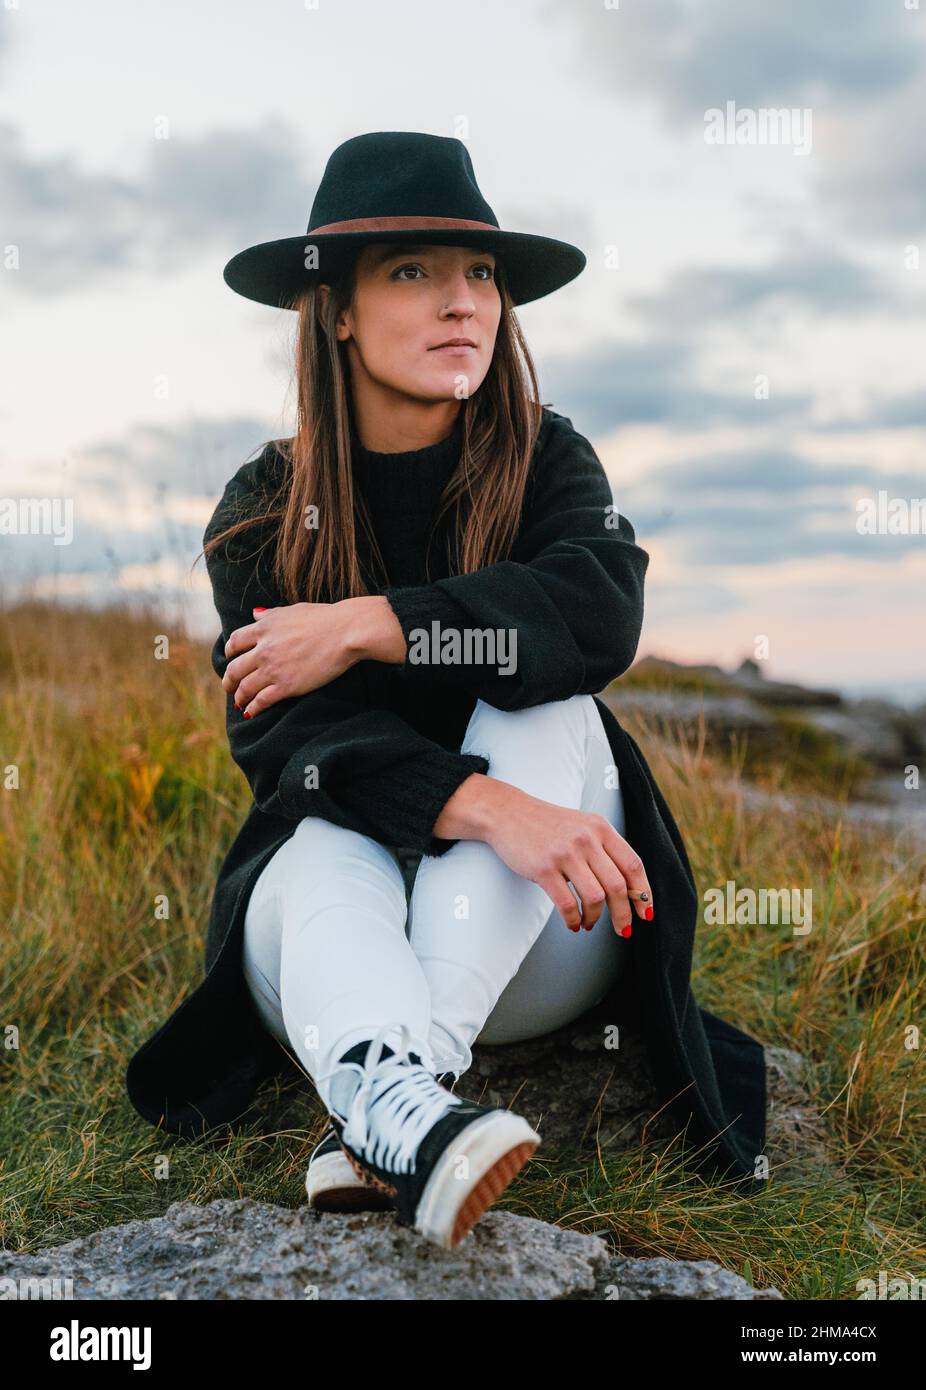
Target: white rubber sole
[(332, 1185), (491, 1151)]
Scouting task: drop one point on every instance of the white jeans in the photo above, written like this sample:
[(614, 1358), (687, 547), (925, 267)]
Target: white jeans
[(334, 949)]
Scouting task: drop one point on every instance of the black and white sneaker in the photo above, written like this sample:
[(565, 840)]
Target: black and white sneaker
[(332, 1182), (443, 1160)]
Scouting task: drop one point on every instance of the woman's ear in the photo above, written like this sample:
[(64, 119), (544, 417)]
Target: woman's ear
[(342, 328)]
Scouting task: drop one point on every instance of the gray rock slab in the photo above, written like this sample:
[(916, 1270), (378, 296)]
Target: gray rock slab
[(242, 1249)]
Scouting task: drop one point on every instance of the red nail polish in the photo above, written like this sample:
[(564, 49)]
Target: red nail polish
[(649, 914), (627, 931), (246, 715), (258, 610)]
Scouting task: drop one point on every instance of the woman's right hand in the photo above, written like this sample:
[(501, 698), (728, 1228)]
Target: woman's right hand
[(552, 845)]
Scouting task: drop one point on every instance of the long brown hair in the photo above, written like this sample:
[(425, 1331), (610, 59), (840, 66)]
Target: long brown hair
[(485, 493)]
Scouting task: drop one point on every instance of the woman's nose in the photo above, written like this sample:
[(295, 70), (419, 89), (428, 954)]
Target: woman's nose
[(459, 295)]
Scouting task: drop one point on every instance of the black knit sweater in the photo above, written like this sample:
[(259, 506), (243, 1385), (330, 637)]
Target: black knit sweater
[(377, 749), (385, 742)]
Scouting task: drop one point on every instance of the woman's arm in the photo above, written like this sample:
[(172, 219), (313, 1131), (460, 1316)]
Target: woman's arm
[(572, 594), (554, 846), (324, 753)]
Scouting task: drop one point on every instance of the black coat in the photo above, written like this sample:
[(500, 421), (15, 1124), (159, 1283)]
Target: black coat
[(385, 741)]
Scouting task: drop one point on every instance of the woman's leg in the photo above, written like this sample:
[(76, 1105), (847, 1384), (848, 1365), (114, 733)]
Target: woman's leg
[(331, 901), (325, 952), (500, 962)]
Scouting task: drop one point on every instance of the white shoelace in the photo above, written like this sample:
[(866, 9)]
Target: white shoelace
[(403, 1117)]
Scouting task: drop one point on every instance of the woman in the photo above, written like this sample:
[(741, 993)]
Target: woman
[(420, 593)]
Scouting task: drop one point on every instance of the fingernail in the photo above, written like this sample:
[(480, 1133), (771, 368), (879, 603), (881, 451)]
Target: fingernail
[(246, 715), (648, 914), (258, 610), (627, 931)]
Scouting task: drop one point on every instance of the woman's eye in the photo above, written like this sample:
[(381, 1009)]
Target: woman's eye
[(413, 265)]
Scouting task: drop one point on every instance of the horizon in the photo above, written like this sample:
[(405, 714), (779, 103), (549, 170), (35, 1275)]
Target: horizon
[(743, 348)]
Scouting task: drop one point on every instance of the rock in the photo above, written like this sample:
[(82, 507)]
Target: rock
[(725, 714), (900, 814), (579, 1094), (666, 1279), (582, 1096), (242, 1249), (884, 735)]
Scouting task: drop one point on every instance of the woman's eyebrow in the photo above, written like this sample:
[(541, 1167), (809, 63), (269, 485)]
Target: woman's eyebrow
[(386, 253)]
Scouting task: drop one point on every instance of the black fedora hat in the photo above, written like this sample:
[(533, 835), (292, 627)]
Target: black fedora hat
[(397, 185)]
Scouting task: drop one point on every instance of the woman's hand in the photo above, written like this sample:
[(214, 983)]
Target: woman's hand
[(553, 845), (286, 651)]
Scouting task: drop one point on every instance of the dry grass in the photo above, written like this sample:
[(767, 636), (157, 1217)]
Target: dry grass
[(127, 798)]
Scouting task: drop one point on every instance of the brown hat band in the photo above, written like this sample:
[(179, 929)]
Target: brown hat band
[(401, 224)]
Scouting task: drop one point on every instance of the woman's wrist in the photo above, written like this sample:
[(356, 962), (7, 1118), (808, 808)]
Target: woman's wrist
[(475, 808), (372, 630)]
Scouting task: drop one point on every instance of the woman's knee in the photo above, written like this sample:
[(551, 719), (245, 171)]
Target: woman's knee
[(537, 721), (322, 862), (543, 749)]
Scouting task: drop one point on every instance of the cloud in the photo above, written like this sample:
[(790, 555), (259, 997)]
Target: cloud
[(686, 56), (858, 66), (144, 500), (814, 279), (74, 227), (197, 459), (906, 411), (761, 507), (619, 384), (872, 167)]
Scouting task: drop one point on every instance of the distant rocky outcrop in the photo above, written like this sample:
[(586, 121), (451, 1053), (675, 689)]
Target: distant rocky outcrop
[(866, 745)]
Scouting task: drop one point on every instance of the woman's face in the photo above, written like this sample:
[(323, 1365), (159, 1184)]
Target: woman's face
[(408, 301)]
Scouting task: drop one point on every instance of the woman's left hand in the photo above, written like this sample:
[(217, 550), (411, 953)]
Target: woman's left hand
[(285, 652)]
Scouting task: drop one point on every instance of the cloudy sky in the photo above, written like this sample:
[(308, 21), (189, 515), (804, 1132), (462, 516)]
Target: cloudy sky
[(745, 348)]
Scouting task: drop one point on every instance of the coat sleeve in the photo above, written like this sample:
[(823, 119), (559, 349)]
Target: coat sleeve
[(570, 598), (324, 753)]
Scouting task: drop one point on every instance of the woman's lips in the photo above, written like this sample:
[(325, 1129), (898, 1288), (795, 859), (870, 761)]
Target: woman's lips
[(454, 350)]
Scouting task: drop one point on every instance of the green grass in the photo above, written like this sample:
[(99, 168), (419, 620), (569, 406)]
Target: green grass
[(126, 793)]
